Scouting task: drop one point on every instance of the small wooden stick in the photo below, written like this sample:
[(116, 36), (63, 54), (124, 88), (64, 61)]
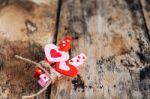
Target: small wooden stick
[(30, 61), (25, 59), (38, 65)]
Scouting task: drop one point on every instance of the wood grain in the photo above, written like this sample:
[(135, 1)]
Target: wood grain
[(144, 72), (25, 28), (112, 36)]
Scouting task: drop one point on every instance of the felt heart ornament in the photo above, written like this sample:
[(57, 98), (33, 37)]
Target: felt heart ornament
[(63, 66), (66, 69), (54, 55)]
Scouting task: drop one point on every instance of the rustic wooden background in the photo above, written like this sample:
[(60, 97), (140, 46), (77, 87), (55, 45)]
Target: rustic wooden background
[(114, 34)]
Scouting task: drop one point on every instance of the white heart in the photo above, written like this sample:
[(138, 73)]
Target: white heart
[(63, 41), (68, 41), (63, 66), (49, 47)]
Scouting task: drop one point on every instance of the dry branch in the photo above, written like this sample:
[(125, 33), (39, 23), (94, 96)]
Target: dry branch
[(38, 65)]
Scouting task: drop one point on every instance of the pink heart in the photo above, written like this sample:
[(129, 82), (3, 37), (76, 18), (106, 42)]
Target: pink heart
[(54, 55)]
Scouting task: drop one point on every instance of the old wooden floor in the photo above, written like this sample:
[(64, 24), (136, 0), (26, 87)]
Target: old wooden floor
[(114, 34)]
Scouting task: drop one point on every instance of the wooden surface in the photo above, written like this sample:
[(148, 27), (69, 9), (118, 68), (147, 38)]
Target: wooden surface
[(114, 34)]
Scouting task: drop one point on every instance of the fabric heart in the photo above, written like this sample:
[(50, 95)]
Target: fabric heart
[(66, 69), (54, 55), (63, 66)]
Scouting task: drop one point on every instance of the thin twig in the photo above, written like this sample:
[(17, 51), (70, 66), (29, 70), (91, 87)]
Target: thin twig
[(38, 65), (30, 61)]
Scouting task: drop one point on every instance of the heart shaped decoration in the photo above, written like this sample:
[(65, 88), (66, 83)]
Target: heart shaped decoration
[(63, 66), (54, 55), (66, 69)]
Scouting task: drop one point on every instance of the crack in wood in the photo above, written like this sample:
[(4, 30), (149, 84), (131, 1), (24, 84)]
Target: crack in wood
[(136, 10), (2, 62), (145, 73), (57, 21), (48, 92), (145, 27), (144, 57), (144, 83), (134, 7), (59, 5)]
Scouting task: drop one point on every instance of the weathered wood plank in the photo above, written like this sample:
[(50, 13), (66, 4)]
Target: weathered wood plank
[(145, 77), (110, 33), (24, 29), (113, 34), (146, 8)]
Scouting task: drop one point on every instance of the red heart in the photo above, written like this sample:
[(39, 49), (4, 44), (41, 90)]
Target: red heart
[(71, 72), (54, 53), (64, 48), (67, 46)]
